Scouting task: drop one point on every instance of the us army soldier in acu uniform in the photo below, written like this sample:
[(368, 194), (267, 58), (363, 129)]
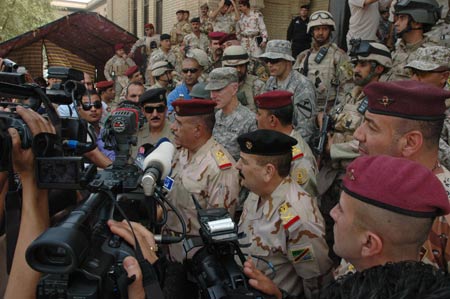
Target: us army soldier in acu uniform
[(281, 221)]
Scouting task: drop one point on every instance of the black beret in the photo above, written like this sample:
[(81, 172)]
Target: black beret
[(164, 36), (195, 20), (266, 143), (156, 95)]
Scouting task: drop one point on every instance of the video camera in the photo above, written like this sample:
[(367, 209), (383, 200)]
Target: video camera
[(214, 267)]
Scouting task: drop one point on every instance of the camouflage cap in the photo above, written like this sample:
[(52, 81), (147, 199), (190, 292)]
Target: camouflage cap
[(434, 58), (278, 48), (221, 77), (160, 67)]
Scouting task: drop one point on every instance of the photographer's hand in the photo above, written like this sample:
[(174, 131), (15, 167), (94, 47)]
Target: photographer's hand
[(259, 281), (35, 217), (135, 289), (143, 235)]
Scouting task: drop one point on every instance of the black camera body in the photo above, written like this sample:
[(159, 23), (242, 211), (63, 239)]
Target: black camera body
[(214, 267)]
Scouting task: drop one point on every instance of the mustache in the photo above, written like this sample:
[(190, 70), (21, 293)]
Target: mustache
[(156, 118), (241, 175)]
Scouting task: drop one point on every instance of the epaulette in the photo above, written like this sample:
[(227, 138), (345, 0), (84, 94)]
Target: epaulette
[(221, 159), (288, 216), (296, 153)]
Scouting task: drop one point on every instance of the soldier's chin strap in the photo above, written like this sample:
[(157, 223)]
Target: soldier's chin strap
[(408, 27)]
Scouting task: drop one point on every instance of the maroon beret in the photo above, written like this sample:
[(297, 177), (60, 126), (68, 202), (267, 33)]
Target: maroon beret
[(118, 47), (274, 99), (131, 70), (104, 84), (193, 107), (396, 184), (216, 35), (227, 37), (149, 25), (407, 99)]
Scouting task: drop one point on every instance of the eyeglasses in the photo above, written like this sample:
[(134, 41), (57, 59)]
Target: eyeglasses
[(321, 15), (88, 106), (192, 70), (150, 109), (273, 61)]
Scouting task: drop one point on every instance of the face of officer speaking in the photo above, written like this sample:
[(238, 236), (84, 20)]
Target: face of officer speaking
[(377, 135), (134, 92), (250, 172), (321, 34), (93, 114), (183, 129), (191, 72), (137, 77), (438, 79), (155, 114), (360, 71), (263, 119), (278, 67), (224, 96), (344, 230)]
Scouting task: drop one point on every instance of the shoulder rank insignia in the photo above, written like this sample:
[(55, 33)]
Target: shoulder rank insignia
[(296, 153), (222, 161), (300, 175), (288, 216), (304, 254)]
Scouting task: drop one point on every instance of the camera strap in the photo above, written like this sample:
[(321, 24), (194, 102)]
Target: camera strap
[(13, 209)]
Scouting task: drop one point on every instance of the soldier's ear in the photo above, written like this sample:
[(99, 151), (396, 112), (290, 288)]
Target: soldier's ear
[(411, 143), (372, 244), (269, 172)]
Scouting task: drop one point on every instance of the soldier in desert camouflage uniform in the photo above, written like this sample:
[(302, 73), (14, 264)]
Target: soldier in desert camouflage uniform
[(202, 168), (232, 118), (148, 44), (275, 113), (279, 60), (162, 73), (249, 85), (223, 19), (165, 53), (180, 29), (325, 64), (414, 18), (251, 30), (196, 39), (116, 67), (205, 23), (433, 66), (281, 222)]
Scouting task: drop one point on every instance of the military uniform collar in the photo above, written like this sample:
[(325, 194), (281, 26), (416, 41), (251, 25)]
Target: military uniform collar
[(201, 152), (277, 197)]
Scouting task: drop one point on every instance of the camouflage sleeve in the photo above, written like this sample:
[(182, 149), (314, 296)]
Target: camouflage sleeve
[(308, 251), (139, 43), (186, 29), (258, 87), (299, 61), (344, 151), (224, 189), (305, 109), (444, 153), (173, 35), (108, 70), (130, 62)]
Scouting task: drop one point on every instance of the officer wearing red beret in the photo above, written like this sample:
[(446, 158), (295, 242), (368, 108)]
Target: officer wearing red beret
[(275, 113), (405, 119), (202, 168)]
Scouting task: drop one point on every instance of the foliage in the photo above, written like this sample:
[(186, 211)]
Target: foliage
[(19, 16)]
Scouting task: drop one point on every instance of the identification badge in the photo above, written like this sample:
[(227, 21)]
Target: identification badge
[(168, 183), (363, 106)]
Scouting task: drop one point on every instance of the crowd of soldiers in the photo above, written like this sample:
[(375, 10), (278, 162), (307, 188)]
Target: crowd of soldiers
[(331, 161)]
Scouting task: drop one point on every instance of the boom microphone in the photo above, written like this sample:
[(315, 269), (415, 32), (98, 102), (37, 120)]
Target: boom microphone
[(157, 165)]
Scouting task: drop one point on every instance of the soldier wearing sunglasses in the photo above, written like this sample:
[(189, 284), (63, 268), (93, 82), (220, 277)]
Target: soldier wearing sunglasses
[(154, 107)]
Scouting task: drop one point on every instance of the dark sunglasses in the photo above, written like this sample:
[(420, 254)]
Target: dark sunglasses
[(88, 106), (273, 61), (150, 109), (193, 70)]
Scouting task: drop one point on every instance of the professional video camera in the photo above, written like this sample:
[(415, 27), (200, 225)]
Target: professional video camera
[(80, 257), (214, 266)]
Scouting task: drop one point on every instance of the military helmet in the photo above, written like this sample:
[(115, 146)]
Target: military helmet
[(234, 55), (370, 50), (421, 11), (321, 18)]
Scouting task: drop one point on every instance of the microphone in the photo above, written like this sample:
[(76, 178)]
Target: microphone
[(157, 165), (143, 151)]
